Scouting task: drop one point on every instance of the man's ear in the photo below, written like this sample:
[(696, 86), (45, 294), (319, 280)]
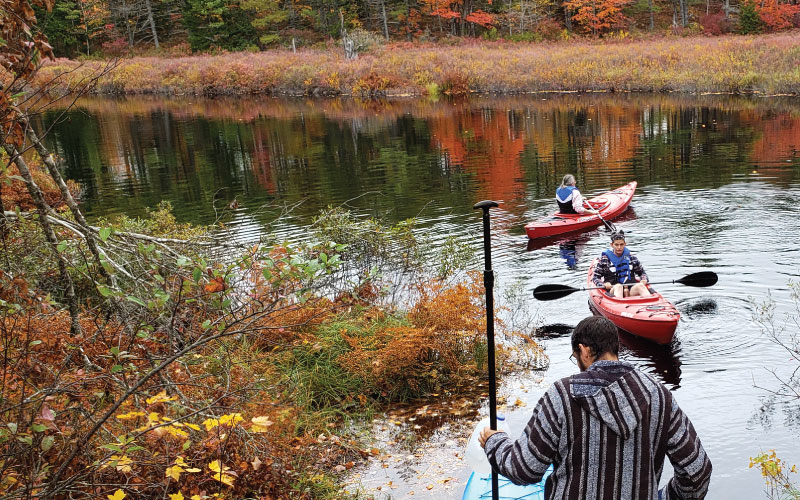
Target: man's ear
[(586, 351)]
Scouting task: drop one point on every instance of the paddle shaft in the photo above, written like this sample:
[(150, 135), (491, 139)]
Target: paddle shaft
[(611, 227), (488, 283)]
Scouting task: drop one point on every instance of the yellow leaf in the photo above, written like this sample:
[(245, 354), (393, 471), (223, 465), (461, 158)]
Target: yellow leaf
[(118, 495), (192, 469), (194, 427), (210, 423), (174, 472), (260, 424), (196, 497), (161, 397), (180, 461), (215, 466), (130, 415), (176, 496)]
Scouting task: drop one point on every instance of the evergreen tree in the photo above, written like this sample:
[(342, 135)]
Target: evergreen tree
[(749, 20)]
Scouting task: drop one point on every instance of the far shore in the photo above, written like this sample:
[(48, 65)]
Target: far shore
[(759, 65)]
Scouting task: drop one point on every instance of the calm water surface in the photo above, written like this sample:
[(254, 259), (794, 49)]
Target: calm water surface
[(719, 184)]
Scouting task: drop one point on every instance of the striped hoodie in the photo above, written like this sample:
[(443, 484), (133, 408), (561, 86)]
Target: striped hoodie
[(606, 431)]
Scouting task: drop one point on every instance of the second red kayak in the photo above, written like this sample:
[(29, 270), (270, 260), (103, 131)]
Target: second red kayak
[(653, 318), (610, 204)]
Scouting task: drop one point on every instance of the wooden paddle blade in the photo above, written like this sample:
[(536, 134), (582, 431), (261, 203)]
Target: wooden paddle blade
[(701, 279), (553, 292)]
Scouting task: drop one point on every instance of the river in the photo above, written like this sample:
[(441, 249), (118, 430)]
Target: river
[(719, 184)]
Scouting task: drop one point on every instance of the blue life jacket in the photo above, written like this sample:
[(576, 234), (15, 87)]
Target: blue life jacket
[(564, 199), (620, 266)]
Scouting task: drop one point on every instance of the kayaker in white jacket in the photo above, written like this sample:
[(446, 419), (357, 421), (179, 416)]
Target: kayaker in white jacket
[(569, 199)]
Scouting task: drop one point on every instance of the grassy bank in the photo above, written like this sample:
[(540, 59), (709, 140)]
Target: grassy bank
[(768, 64), (194, 373)]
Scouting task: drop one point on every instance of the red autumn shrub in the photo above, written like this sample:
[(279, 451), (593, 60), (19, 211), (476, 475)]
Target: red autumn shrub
[(716, 24)]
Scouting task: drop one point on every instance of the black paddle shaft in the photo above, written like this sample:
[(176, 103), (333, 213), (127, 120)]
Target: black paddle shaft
[(554, 291), (488, 283)]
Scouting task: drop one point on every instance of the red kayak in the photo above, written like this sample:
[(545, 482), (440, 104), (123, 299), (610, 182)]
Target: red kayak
[(653, 318), (610, 205)]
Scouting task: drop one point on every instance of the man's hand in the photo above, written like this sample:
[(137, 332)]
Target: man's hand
[(485, 433), (607, 285)]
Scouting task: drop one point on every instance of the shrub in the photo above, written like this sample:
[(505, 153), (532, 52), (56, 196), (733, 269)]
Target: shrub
[(548, 29), (749, 20), (716, 24), (777, 16)]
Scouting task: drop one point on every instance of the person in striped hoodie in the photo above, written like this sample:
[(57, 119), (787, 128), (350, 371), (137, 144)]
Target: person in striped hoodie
[(605, 430)]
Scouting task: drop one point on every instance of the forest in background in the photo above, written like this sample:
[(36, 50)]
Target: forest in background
[(103, 28)]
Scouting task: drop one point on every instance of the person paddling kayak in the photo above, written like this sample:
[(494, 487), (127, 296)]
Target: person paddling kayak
[(617, 267), (569, 199)]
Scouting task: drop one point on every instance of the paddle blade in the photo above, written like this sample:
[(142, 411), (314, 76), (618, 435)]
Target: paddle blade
[(553, 292), (701, 279)]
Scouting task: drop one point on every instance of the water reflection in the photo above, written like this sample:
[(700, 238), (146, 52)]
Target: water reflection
[(661, 361), (132, 153)]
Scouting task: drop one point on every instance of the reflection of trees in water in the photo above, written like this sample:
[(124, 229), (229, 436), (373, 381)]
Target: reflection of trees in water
[(326, 151)]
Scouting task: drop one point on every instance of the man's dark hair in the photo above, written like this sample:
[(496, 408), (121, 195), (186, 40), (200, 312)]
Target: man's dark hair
[(597, 333)]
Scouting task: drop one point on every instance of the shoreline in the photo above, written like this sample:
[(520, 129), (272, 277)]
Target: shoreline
[(764, 65)]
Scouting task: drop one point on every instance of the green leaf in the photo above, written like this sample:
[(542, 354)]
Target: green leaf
[(13, 427), (135, 448), (186, 445), (267, 274), (34, 342), (115, 351), (112, 447), (206, 324), (62, 245), (105, 232), (38, 428), (136, 300), (116, 368), (27, 440), (47, 442), (104, 290), (184, 261), (323, 257), (197, 274)]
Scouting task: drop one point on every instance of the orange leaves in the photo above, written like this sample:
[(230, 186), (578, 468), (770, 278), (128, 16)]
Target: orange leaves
[(777, 16), (481, 18), (597, 16), (447, 323), (215, 284)]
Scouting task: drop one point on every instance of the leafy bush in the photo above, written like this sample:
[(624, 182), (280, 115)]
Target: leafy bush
[(716, 24), (749, 20), (548, 29)]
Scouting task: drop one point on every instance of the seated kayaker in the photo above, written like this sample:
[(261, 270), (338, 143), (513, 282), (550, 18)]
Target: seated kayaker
[(569, 199), (617, 268)]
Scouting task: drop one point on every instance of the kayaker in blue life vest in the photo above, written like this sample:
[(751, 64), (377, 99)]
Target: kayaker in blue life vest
[(569, 199), (617, 267)]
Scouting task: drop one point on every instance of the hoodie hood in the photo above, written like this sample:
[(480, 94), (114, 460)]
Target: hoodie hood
[(604, 390)]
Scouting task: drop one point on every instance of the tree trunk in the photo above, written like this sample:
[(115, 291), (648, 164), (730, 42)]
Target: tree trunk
[(652, 22), (86, 24), (43, 208), (567, 20), (151, 21), (52, 169), (385, 21)]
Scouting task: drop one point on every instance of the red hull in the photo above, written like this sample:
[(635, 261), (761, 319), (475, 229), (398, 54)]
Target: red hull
[(653, 318), (610, 204)]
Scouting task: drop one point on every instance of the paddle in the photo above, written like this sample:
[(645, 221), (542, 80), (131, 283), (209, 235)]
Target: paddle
[(553, 291), (488, 283), (611, 227)]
